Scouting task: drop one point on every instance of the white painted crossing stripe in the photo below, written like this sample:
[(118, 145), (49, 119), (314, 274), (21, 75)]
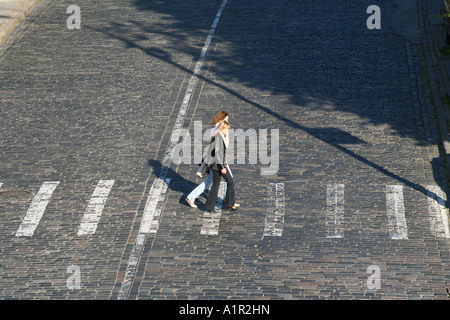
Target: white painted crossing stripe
[(274, 223), (438, 211), (37, 209), (94, 209), (158, 183), (396, 212), (211, 220), (335, 211)]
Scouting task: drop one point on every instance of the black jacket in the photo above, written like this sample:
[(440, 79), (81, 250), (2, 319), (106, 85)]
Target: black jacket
[(216, 153)]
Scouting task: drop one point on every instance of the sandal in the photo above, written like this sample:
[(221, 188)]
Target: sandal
[(190, 203)]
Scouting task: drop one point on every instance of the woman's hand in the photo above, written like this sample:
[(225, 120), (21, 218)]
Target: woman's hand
[(224, 170)]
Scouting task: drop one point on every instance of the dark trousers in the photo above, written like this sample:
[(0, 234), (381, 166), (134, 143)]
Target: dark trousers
[(213, 192)]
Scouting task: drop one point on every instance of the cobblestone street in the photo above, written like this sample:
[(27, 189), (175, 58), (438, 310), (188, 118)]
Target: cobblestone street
[(92, 208)]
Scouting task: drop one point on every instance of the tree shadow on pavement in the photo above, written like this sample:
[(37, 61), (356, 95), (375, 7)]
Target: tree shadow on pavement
[(285, 51)]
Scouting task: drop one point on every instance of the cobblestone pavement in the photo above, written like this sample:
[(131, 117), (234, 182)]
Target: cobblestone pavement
[(360, 178)]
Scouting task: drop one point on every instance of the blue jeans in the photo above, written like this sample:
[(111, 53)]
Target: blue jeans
[(201, 187)]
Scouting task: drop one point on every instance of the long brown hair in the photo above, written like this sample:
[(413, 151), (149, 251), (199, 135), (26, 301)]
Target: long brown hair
[(219, 117)]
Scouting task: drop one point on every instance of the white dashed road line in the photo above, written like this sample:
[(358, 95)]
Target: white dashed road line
[(395, 210), (274, 222), (37, 209), (335, 211), (94, 209), (438, 211), (211, 220)]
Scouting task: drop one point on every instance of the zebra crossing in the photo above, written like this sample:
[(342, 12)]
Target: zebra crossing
[(211, 220), (395, 210), (43, 197), (37, 209), (275, 210), (438, 211), (335, 211), (95, 207), (274, 221)]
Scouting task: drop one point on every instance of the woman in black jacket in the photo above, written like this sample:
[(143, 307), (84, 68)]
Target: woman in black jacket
[(219, 168)]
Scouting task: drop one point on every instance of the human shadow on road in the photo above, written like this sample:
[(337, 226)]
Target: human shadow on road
[(177, 182)]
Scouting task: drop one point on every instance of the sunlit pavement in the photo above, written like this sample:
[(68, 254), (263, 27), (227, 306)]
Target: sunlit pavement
[(92, 206)]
